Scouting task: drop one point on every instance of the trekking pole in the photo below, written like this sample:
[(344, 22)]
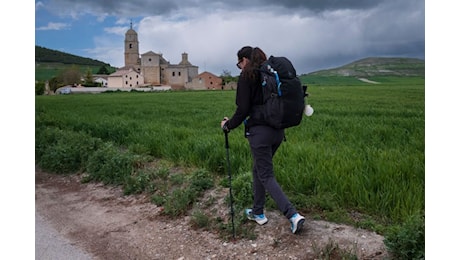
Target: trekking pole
[(230, 181)]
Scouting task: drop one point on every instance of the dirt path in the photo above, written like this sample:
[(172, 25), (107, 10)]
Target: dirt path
[(105, 223), (368, 81)]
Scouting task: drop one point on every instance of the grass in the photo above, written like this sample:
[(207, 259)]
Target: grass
[(362, 150)]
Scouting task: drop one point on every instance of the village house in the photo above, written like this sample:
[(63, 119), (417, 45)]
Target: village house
[(205, 81), (101, 79), (126, 77)]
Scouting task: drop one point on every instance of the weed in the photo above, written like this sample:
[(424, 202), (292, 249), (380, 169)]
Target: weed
[(407, 241), (138, 182), (332, 251), (111, 166), (178, 192), (178, 202), (242, 190), (201, 180), (63, 151), (200, 220)]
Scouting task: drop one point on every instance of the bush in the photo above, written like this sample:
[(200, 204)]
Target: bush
[(179, 201), (39, 88), (201, 180), (111, 166), (242, 190), (180, 196), (62, 151), (92, 84), (138, 182), (200, 220), (408, 240)]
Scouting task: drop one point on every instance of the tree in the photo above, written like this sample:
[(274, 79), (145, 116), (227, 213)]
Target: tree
[(226, 73), (103, 70), (227, 77), (89, 77), (70, 76), (54, 83)]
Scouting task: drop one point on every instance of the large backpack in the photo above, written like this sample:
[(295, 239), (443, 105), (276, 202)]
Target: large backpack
[(283, 93)]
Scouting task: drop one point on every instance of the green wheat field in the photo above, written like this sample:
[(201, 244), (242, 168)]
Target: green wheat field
[(362, 150)]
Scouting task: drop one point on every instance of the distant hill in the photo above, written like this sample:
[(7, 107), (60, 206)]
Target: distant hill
[(50, 63), (375, 66), (43, 55)]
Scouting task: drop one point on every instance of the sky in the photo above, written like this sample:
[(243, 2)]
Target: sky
[(314, 35)]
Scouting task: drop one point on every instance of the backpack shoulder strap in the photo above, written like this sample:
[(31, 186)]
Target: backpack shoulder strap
[(268, 71)]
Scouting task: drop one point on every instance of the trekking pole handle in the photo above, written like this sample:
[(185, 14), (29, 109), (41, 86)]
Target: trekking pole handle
[(226, 130)]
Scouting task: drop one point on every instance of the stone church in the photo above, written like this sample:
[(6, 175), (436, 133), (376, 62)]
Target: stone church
[(150, 68)]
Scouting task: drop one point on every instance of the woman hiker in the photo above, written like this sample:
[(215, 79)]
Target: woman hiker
[(263, 140)]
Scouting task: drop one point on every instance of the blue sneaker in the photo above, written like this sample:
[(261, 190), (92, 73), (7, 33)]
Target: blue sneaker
[(260, 219), (297, 221)]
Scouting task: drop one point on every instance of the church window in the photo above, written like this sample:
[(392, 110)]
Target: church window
[(130, 45), (173, 73)]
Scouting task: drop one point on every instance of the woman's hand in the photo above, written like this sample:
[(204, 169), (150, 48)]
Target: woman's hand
[(223, 126)]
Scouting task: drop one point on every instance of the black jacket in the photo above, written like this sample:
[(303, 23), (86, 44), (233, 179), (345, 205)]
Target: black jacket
[(248, 95)]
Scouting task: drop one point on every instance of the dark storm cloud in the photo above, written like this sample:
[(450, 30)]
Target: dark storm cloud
[(323, 5), (111, 7), (161, 7)]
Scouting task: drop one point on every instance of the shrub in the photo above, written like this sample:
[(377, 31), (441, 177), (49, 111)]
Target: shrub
[(39, 88), (332, 250), (201, 180), (242, 190), (200, 220), (62, 151), (408, 240), (138, 182), (181, 199), (112, 166)]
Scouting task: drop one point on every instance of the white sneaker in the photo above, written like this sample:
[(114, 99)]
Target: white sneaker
[(260, 219), (297, 221)]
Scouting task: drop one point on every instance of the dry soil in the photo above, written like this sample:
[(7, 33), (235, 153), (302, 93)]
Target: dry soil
[(102, 221)]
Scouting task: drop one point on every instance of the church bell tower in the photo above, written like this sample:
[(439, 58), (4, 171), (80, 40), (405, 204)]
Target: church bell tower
[(131, 48)]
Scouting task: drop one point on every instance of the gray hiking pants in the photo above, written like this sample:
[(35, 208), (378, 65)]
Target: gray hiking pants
[(264, 142)]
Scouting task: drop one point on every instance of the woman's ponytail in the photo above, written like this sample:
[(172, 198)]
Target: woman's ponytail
[(256, 57)]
